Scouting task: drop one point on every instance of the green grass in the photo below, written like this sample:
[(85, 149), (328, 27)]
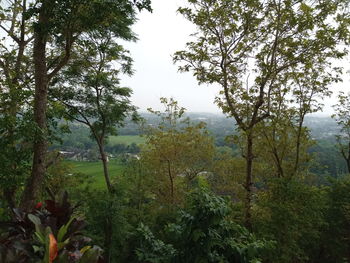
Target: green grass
[(95, 171), (126, 139)]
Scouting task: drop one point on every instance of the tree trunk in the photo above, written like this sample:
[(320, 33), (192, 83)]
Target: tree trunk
[(171, 183), (249, 180), (108, 239), (278, 163), (34, 183), (105, 167), (108, 226), (298, 144)]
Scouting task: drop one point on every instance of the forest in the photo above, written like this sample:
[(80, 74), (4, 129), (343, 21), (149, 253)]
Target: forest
[(87, 177)]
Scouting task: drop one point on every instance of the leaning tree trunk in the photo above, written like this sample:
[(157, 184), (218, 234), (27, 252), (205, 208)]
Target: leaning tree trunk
[(105, 166), (171, 180), (108, 225), (298, 144), (34, 183), (249, 180)]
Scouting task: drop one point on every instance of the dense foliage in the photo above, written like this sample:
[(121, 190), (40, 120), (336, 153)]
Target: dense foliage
[(264, 182)]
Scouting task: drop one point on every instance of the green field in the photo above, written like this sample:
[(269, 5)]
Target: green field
[(95, 171), (125, 139)]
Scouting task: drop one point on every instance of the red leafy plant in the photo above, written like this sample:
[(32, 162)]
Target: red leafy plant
[(49, 233)]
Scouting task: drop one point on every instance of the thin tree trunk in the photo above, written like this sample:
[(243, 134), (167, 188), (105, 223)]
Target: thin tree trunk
[(278, 164), (249, 180), (298, 144), (13, 84), (108, 223), (34, 183), (171, 182), (105, 167)]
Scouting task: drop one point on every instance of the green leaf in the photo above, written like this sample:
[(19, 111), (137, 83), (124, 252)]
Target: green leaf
[(63, 230), (34, 219)]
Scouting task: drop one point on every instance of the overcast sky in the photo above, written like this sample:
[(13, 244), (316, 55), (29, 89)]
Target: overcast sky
[(160, 34)]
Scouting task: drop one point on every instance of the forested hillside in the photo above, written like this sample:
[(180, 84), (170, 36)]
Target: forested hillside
[(327, 159), (87, 177)]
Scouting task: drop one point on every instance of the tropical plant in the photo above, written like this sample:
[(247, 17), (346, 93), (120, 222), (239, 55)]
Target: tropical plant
[(48, 233)]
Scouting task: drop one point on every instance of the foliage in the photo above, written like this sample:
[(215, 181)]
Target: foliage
[(16, 119), (108, 224), (139, 186), (176, 152), (64, 175), (203, 233), (291, 213), (50, 233), (152, 249), (89, 90), (60, 61), (15, 153), (287, 143), (342, 117), (39, 40), (257, 51), (334, 245), (276, 40), (227, 176)]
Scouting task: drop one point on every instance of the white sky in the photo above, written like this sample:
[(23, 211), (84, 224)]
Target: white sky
[(160, 34)]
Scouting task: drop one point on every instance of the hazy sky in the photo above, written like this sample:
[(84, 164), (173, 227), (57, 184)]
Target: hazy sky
[(160, 34)]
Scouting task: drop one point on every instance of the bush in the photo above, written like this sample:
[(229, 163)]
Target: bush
[(202, 233), (49, 233), (291, 213)]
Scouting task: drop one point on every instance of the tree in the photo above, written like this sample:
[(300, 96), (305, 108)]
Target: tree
[(334, 247), (89, 90), (227, 176), (55, 26), (89, 93), (284, 135), (203, 232), (342, 117), (266, 41), (310, 89), (176, 152), (15, 96), (291, 213)]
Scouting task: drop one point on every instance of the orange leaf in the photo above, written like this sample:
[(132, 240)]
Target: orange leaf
[(53, 248)]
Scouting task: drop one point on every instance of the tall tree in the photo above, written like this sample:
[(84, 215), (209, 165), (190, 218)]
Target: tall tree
[(284, 133), (175, 152), (342, 117), (251, 48), (15, 97), (57, 27), (90, 93), (310, 88)]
